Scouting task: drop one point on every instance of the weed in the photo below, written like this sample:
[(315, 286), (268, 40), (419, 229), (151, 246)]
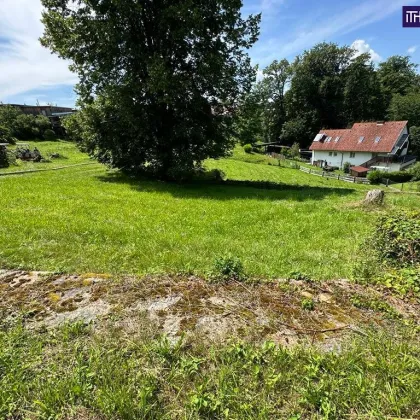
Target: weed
[(307, 304), (227, 268), (374, 304)]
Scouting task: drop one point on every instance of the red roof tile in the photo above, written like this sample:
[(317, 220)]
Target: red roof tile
[(389, 133), (359, 169)]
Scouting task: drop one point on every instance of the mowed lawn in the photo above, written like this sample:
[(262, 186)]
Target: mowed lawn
[(88, 219)]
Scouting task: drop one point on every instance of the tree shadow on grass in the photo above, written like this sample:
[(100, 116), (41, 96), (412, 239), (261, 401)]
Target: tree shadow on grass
[(227, 190)]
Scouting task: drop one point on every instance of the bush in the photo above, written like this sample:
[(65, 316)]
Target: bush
[(396, 238), (248, 148), (4, 161), (213, 175), (415, 172), (346, 167), (49, 135), (391, 255), (228, 267), (376, 177), (400, 176)]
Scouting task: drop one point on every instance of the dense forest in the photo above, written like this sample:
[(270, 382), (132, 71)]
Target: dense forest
[(328, 86)]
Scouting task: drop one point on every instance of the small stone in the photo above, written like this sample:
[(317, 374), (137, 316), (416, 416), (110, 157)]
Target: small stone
[(325, 298), (307, 294)]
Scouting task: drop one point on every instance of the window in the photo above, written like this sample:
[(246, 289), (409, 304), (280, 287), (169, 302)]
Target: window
[(330, 153), (335, 153), (378, 139), (337, 139), (352, 154), (361, 139), (328, 139)]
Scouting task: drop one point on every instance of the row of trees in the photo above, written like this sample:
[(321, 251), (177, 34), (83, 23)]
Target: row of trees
[(16, 125), (327, 87)]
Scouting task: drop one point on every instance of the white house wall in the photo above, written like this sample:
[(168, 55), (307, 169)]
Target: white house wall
[(341, 157)]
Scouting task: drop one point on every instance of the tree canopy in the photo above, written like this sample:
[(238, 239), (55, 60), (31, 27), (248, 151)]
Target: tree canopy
[(330, 86), (158, 79)]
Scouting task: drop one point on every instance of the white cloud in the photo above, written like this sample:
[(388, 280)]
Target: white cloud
[(25, 65), (267, 5), (412, 49), (317, 29), (361, 47)]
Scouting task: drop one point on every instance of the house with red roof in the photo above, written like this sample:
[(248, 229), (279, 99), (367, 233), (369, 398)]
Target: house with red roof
[(373, 145)]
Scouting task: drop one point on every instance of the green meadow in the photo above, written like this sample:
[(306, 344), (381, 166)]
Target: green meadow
[(275, 219)]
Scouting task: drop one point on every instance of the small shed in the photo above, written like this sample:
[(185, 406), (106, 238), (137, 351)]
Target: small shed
[(359, 171)]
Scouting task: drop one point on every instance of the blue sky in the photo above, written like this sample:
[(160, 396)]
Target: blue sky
[(29, 73)]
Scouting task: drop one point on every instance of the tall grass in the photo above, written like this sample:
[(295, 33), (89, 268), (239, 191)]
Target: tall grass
[(75, 373)]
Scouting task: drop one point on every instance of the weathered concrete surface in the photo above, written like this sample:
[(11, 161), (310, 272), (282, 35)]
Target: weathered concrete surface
[(189, 305)]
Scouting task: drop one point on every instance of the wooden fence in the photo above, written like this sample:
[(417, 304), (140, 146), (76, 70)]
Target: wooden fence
[(325, 174)]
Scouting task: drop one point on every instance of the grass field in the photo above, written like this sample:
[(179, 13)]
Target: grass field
[(75, 373), (69, 155), (408, 187), (87, 219), (276, 220)]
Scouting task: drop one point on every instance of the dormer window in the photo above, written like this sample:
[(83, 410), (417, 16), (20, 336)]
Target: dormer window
[(361, 139), (378, 139), (328, 139), (337, 139)]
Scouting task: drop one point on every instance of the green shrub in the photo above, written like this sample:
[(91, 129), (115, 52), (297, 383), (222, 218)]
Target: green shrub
[(396, 238), (4, 162), (391, 255), (415, 172), (228, 267), (49, 135), (248, 148), (400, 176), (346, 167), (375, 177), (213, 175)]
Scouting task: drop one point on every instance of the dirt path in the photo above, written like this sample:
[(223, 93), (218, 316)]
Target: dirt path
[(287, 312)]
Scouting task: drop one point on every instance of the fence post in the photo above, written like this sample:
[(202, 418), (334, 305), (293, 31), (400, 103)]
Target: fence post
[(354, 179), (387, 182), (323, 173), (309, 170), (338, 177)]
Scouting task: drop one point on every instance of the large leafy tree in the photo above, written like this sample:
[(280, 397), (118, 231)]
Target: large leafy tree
[(158, 78), (406, 108), (276, 78), (249, 127), (316, 94), (397, 76), (363, 99)]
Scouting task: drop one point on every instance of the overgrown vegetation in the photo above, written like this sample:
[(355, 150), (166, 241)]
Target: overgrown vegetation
[(391, 255)]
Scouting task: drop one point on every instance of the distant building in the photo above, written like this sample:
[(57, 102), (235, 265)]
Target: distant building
[(46, 110), (377, 145), (54, 113)]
